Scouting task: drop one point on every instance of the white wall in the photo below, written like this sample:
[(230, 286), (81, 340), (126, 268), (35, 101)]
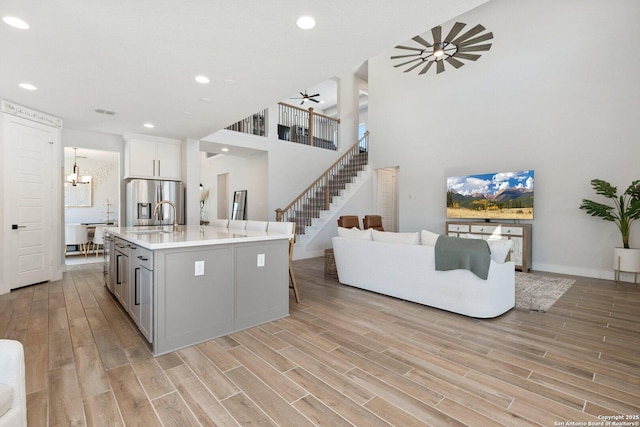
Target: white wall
[(558, 93), (245, 173)]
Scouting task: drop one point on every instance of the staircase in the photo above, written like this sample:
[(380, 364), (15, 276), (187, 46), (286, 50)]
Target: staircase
[(319, 197)]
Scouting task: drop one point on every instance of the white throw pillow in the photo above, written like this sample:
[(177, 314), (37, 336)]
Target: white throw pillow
[(428, 238), (499, 249), (354, 233), (402, 238), (6, 398)]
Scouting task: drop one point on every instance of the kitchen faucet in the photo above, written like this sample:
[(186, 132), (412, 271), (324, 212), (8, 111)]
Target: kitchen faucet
[(175, 212)]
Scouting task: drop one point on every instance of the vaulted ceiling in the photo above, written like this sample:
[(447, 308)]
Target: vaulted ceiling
[(139, 58)]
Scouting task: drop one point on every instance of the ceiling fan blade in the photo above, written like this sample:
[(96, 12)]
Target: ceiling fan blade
[(311, 96), (422, 41), (409, 48), (408, 62), (457, 27), (453, 61), (313, 100), (405, 56), (482, 38), (413, 67), (469, 56), (426, 67), (477, 48), (440, 68), (472, 32), (436, 32)]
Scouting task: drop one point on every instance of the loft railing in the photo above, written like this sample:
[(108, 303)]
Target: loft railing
[(256, 124), (307, 127), (317, 197)]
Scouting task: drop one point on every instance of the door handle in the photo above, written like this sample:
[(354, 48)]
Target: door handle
[(16, 226)]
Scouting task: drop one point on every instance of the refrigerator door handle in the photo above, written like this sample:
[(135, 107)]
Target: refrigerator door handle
[(158, 200)]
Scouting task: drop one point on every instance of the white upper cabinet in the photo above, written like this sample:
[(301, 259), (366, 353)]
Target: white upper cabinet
[(152, 158)]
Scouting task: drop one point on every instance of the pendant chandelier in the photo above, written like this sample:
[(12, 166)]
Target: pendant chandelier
[(74, 178)]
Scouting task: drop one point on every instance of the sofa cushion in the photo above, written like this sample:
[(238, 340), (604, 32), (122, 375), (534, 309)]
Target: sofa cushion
[(499, 249), (428, 238), (402, 238), (354, 233), (6, 398)]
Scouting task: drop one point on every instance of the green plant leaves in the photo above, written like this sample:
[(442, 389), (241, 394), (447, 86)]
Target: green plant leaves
[(626, 207)]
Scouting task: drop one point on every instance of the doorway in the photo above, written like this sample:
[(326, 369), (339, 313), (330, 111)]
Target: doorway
[(223, 196), (100, 170), (387, 197)]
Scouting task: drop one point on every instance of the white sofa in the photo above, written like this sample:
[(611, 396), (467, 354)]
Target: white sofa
[(406, 270), (13, 398)]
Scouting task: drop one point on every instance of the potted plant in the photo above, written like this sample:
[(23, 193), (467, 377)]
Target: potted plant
[(625, 210)]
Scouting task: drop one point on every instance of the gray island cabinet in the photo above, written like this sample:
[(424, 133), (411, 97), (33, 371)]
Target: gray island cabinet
[(199, 283)]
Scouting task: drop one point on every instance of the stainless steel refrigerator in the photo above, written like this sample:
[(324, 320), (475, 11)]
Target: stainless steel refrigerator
[(142, 196)]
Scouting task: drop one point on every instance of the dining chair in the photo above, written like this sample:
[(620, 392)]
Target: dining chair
[(290, 229), (257, 225), (98, 239), (76, 234)]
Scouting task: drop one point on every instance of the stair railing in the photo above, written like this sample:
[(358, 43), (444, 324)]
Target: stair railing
[(317, 197), (255, 124), (305, 126)]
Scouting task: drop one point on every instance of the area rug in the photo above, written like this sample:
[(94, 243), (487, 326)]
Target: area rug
[(536, 292)]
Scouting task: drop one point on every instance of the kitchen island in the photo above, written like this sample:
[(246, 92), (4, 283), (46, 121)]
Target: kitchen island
[(188, 286)]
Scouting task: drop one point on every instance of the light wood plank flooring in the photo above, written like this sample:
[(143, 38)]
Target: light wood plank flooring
[(344, 357)]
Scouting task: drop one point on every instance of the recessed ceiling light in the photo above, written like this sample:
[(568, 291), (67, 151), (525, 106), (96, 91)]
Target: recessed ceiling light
[(225, 149), (27, 86), (149, 125), (15, 22), (306, 22), (202, 79)]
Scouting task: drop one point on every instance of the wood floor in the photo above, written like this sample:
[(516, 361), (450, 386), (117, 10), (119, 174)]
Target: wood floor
[(344, 357)]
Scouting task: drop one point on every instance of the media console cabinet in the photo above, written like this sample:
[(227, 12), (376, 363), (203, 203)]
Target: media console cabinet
[(520, 234)]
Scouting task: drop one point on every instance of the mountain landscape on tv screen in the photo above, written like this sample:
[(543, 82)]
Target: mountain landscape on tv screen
[(505, 195)]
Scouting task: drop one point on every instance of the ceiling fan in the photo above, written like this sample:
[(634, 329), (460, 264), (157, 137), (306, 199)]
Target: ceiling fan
[(450, 49), (306, 97)]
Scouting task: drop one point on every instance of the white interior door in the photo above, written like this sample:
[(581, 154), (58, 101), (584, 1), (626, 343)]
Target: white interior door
[(387, 198), (31, 152)]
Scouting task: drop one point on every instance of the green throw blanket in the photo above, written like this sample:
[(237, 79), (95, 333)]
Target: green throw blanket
[(454, 253)]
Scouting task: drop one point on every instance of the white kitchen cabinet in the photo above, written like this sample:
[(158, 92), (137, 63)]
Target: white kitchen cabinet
[(157, 158), (121, 284), (519, 234), (141, 298)]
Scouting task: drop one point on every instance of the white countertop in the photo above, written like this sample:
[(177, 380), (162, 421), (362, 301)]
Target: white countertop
[(163, 237)]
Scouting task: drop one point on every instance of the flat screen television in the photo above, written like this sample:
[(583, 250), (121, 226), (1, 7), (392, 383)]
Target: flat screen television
[(503, 195)]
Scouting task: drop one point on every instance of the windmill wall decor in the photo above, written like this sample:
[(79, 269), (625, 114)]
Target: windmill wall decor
[(452, 49)]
